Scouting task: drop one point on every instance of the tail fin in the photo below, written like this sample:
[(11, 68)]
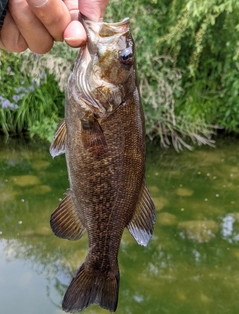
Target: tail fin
[(91, 287)]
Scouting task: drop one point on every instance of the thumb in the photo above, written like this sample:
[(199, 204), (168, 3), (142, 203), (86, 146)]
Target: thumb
[(75, 35), (93, 9)]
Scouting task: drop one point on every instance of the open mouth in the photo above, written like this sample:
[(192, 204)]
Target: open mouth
[(104, 29)]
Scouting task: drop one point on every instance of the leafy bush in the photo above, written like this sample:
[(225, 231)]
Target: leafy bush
[(31, 98), (203, 38)]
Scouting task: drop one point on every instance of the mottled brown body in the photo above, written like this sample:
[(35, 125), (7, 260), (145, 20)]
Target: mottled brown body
[(107, 184), (104, 141)]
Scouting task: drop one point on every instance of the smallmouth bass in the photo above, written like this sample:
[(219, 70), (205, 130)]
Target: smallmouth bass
[(103, 138)]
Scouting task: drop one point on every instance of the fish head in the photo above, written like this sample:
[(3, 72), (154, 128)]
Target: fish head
[(104, 74), (111, 49)]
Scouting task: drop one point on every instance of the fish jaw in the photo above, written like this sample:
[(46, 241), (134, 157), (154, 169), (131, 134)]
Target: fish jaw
[(97, 30)]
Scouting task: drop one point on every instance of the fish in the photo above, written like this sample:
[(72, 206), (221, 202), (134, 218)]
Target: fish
[(103, 139)]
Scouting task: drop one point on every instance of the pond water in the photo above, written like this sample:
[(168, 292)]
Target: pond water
[(190, 266)]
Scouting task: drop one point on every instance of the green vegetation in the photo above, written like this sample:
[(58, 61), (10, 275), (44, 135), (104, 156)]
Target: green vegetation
[(188, 62), (31, 93)]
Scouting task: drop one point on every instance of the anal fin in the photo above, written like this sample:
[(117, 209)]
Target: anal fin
[(142, 222), (65, 220), (58, 145)]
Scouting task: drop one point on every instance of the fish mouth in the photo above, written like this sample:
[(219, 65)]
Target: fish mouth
[(102, 29), (124, 22), (83, 18)]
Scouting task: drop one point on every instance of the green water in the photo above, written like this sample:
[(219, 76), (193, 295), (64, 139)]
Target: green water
[(190, 266)]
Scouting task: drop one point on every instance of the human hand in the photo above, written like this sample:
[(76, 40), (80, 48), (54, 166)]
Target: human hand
[(36, 24)]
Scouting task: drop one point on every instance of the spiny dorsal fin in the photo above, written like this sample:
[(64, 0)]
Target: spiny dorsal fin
[(142, 223), (58, 145), (65, 220)]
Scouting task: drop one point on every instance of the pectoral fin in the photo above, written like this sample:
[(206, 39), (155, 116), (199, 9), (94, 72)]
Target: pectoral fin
[(93, 137), (142, 223), (65, 220), (58, 145)]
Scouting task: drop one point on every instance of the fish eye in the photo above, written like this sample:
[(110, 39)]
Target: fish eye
[(126, 55)]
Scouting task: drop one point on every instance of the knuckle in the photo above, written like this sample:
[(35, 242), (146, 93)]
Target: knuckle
[(41, 49), (13, 46), (20, 46)]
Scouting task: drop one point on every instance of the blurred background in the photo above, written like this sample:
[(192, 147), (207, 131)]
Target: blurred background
[(188, 62)]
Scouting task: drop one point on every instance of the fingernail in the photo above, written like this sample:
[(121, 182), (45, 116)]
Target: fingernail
[(74, 34), (75, 42)]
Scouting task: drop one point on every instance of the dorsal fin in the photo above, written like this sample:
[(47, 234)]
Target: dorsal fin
[(58, 145), (142, 222), (65, 220)]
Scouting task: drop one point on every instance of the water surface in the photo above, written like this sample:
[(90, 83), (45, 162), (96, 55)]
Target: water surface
[(190, 266)]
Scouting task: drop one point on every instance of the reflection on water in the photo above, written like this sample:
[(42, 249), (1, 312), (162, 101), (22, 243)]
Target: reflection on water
[(190, 266)]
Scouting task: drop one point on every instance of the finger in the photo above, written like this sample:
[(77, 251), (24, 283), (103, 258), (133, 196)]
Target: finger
[(10, 36), (53, 14), (36, 35), (75, 35), (72, 6), (93, 9)]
